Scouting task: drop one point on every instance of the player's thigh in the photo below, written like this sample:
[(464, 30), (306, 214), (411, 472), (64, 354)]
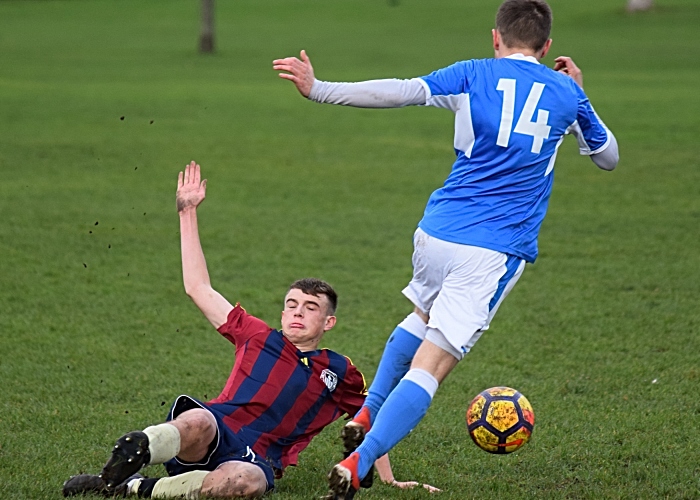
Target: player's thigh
[(431, 262), (235, 479), (462, 307)]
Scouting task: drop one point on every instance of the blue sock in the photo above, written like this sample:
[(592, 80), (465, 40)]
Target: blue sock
[(401, 412), (395, 362)]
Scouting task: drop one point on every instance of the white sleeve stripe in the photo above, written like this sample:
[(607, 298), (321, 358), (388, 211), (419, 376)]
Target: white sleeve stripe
[(604, 146), (426, 87)]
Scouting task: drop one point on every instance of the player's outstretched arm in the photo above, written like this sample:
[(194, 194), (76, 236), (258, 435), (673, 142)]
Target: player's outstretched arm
[(191, 191), (387, 93), (386, 475)]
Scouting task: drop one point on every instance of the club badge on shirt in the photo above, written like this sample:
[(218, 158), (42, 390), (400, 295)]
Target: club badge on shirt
[(330, 379)]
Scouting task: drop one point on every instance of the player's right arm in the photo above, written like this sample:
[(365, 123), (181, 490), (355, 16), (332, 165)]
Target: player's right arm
[(388, 93), (191, 191), (589, 130)]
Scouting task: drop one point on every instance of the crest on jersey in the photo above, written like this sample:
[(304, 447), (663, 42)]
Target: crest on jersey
[(330, 379)]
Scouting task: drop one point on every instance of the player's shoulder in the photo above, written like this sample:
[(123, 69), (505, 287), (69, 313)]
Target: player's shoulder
[(340, 360)]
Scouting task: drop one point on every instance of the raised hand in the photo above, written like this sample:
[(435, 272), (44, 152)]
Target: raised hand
[(566, 65), (191, 190), (298, 71)]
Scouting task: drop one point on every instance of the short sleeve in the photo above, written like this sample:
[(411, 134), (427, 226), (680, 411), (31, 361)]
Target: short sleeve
[(240, 326), (452, 80), (593, 130), (354, 392)]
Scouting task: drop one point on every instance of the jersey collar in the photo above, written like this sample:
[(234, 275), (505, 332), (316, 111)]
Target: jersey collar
[(522, 57)]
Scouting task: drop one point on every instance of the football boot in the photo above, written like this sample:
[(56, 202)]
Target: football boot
[(343, 481), (129, 455), (353, 434), (84, 484)]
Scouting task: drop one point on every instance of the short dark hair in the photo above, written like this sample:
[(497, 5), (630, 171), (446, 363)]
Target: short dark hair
[(316, 287), (524, 23)]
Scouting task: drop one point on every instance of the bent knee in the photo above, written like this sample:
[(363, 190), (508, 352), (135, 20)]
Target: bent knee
[(196, 421), (235, 479)]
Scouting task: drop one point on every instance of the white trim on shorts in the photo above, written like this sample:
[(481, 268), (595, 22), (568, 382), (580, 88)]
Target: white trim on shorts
[(460, 287)]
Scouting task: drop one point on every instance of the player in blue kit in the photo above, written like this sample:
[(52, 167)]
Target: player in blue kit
[(481, 227)]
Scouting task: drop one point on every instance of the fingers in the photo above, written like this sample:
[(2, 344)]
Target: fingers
[(567, 66), (562, 63), (304, 57), (191, 175), (204, 186), (295, 67), (285, 64), (287, 76)]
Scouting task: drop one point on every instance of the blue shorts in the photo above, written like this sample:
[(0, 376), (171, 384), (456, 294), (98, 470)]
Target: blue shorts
[(226, 447)]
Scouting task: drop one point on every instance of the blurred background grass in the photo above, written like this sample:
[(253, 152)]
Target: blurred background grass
[(103, 102)]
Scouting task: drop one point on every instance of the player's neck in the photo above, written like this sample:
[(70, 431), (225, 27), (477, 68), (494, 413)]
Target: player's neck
[(504, 51)]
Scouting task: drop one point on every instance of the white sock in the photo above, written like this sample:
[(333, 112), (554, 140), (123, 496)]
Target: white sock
[(424, 379), (132, 487), (187, 485), (163, 442)]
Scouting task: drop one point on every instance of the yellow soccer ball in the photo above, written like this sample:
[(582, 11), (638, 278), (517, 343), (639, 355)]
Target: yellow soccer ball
[(500, 420)]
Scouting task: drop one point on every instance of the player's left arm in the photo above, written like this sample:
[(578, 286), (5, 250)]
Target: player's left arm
[(595, 139), (386, 475)]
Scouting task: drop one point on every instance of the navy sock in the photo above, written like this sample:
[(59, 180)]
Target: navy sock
[(146, 487), (403, 409), (395, 362)]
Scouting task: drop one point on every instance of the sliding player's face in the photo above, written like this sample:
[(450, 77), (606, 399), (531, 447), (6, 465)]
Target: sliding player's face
[(305, 317)]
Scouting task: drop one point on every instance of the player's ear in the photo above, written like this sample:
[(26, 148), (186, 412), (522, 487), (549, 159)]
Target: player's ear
[(545, 49), (330, 323), (496, 40)]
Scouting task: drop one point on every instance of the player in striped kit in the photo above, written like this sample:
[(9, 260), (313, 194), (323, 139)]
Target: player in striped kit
[(282, 392), (481, 227)]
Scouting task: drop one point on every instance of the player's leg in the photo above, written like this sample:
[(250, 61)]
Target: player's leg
[(396, 360), (470, 296), (187, 435), (401, 345), (232, 479), (403, 409), (235, 479), (228, 469), (394, 363), (473, 288), (428, 273)]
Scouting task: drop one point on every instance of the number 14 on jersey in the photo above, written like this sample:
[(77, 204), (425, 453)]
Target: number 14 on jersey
[(538, 130)]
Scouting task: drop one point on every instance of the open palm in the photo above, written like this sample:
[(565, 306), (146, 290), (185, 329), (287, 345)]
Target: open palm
[(191, 190)]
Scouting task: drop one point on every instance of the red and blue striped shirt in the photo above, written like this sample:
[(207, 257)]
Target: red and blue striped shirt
[(278, 398)]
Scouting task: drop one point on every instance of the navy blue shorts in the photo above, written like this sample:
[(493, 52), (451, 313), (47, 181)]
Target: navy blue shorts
[(226, 447)]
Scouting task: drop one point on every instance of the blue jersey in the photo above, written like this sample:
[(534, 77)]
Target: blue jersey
[(511, 115)]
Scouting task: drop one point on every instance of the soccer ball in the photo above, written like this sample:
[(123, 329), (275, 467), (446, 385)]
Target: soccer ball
[(500, 420)]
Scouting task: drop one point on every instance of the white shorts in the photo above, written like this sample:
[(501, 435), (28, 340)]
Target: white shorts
[(460, 287)]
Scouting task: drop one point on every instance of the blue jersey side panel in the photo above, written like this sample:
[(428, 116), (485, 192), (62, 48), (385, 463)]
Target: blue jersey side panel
[(497, 192)]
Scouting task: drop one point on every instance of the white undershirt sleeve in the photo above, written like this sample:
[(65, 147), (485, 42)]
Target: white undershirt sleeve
[(605, 158), (389, 93), (608, 158)]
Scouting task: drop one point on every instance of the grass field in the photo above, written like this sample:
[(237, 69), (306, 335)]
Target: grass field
[(102, 102)]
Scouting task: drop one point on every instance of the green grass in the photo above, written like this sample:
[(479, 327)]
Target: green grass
[(98, 336)]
